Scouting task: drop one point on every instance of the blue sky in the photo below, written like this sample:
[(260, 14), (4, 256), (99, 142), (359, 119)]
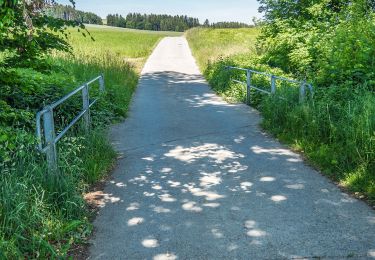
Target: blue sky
[(214, 10)]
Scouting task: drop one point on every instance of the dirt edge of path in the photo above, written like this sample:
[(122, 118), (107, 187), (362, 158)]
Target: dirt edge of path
[(94, 199)]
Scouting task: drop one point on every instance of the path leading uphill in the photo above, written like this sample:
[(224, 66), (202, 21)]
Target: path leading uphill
[(200, 180)]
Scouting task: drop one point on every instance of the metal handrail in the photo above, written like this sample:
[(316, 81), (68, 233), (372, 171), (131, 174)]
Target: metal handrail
[(50, 138), (273, 78)]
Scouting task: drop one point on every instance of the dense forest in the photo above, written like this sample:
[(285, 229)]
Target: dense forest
[(178, 23), (69, 13)]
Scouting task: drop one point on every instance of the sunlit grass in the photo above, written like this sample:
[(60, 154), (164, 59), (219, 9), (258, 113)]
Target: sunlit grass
[(131, 46), (210, 44), (117, 53)]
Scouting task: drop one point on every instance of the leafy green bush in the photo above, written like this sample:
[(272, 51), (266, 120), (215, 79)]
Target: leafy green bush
[(334, 50), (347, 54), (330, 46)]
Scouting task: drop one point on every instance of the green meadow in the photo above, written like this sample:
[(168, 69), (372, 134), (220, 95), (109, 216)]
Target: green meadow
[(208, 45), (108, 43)]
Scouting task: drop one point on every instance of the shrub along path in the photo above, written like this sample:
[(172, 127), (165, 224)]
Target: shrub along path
[(200, 180)]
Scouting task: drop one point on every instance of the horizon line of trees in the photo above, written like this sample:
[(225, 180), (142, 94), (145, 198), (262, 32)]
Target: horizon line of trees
[(69, 13), (219, 25), (164, 22), (154, 22)]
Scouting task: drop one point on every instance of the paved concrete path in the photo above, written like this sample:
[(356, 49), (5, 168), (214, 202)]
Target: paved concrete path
[(200, 180)]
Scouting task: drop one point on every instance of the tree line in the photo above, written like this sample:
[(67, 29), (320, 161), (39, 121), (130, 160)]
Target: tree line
[(155, 22), (226, 25), (69, 13)]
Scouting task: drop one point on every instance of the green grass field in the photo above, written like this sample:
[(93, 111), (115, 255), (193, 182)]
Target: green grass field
[(118, 53), (132, 46), (42, 215), (210, 44)]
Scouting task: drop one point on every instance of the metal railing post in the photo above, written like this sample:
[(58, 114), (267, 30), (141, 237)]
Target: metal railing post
[(273, 84), (302, 92), (249, 72), (86, 107), (311, 90), (49, 135), (101, 83), (248, 87)]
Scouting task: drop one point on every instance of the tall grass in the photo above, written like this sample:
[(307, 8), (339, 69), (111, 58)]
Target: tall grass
[(336, 130), (41, 214), (338, 136)]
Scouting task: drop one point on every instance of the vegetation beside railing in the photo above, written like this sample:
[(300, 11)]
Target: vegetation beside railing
[(333, 49), (42, 215)]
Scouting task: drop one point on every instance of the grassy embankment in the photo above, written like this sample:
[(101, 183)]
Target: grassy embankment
[(335, 131), (42, 215)]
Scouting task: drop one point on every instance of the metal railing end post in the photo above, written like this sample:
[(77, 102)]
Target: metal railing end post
[(273, 84), (49, 135), (311, 88), (101, 83), (86, 108), (248, 87), (302, 92)]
